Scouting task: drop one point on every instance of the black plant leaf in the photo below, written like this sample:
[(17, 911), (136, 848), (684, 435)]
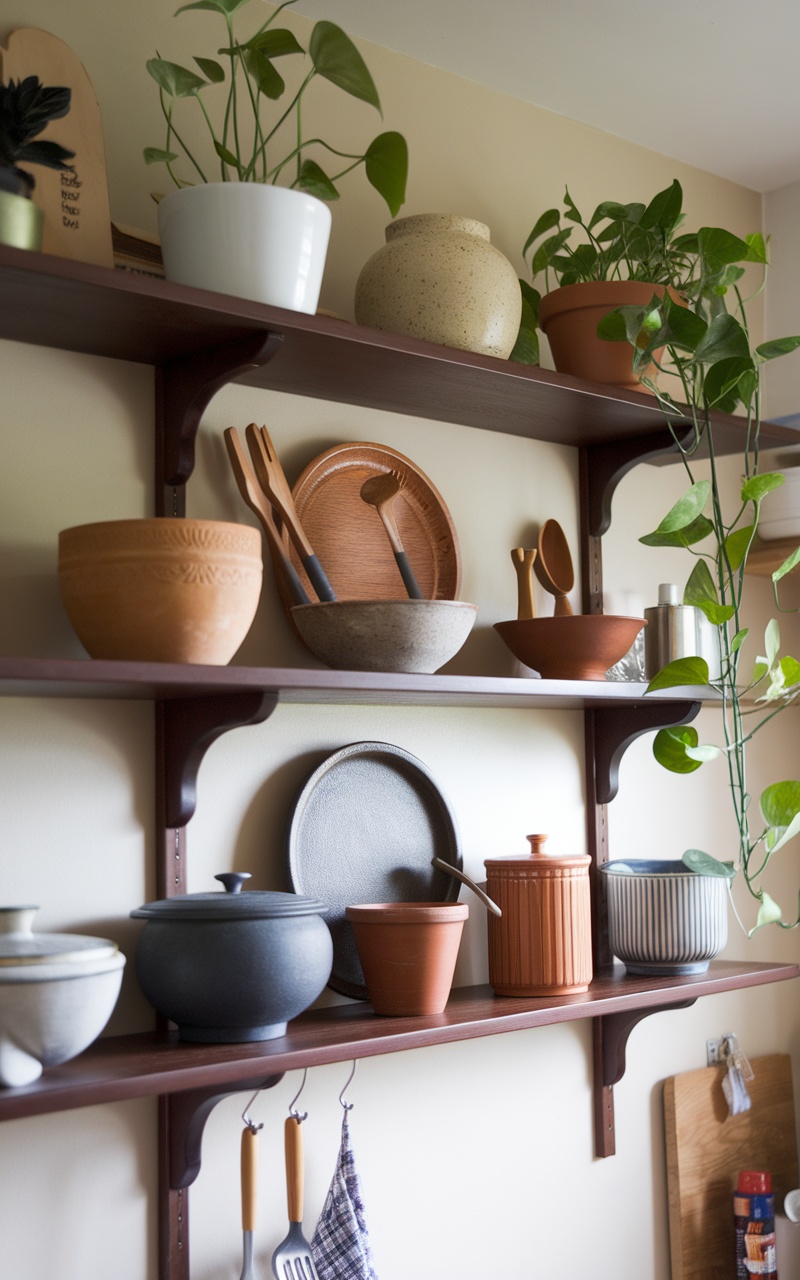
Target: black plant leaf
[(26, 108)]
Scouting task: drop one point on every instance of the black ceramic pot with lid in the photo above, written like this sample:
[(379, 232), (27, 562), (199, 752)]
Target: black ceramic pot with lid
[(233, 966)]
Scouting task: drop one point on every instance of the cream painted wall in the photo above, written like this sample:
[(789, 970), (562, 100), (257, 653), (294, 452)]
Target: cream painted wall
[(469, 1153)]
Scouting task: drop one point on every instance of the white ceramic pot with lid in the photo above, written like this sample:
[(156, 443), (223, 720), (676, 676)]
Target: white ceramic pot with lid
[(57, 992)]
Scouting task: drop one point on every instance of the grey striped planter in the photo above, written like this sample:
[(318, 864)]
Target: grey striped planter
[(663, 918)]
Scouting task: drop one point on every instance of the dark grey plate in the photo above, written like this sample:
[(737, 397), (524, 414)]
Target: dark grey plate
[(364, 828)]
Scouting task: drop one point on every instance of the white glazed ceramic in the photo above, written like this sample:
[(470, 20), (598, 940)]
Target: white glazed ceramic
[(247, 239), (664, 918), (780, 512), (57, 992), (385, 635)]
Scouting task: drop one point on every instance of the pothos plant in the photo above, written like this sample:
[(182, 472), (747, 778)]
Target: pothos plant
[(243, 141), (632, 241), (708, 347)]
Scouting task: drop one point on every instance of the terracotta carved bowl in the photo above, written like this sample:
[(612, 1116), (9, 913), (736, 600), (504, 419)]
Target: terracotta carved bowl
[(161, 590), (576, 647), (385, 635)]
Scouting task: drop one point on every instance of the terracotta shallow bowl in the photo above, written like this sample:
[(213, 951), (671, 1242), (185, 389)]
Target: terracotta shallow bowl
[(385, 635), (161, 590), (576, 647)]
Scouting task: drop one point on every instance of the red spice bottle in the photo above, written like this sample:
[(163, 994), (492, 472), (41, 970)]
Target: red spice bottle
[(754, 1216)]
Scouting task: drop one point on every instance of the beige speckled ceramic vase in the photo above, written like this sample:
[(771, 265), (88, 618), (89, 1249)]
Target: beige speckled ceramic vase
[(439, 277)]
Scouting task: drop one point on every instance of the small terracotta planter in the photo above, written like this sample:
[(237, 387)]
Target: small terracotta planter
[(569, 317), (408, 952), (542, 944)]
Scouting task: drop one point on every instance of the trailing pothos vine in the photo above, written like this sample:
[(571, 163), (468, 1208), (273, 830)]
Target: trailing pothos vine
[(709, 349)]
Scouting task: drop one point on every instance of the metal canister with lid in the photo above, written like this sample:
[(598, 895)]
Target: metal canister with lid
[(542, 943)]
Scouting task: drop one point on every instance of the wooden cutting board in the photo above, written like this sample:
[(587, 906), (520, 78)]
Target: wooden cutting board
[(705, 1151), (77, 221)]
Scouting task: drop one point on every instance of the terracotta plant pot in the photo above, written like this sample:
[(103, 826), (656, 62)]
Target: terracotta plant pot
[(408, 952), (161, 590), (542, 943), (438, 277), (583, 646), (569, 317)]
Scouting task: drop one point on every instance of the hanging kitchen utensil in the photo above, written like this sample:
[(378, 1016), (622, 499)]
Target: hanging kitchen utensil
[(256, 500), (341, 1244), (275, 485), (379, 492), (249, 1176), (293, 1257), (523, 563), (553, 566)]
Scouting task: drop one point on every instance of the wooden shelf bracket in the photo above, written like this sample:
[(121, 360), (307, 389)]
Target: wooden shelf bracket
[(618, 727), (184, 388)]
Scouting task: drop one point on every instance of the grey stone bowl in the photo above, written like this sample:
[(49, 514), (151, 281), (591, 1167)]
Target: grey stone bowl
[(385, 635)]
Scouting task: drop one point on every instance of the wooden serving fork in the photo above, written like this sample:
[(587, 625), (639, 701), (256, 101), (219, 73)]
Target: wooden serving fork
[(275, 485)]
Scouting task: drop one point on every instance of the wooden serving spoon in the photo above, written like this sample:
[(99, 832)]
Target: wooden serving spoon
[(523, 559), (553, 566), (380, 492)]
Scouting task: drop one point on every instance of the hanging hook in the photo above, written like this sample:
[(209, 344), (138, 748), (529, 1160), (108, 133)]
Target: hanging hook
[(292, 1112), (348, 1106), (251, 1124)]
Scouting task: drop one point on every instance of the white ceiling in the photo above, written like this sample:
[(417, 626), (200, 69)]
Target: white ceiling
[(714, 83)]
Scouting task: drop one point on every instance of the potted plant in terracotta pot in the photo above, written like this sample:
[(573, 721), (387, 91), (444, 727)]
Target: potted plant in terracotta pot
[(628, 252), (707, 342), (251, 217), (26, 108)]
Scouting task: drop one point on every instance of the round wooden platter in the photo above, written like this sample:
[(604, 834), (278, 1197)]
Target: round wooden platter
[(348, 536)]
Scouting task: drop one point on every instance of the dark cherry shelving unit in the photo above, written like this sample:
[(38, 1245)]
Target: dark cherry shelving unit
[(198, 342)]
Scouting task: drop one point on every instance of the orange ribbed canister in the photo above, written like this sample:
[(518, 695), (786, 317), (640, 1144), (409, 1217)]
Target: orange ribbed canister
[(542, 943)]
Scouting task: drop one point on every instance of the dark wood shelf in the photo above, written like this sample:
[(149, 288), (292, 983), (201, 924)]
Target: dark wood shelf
[(74, 306), (765, 557), (87, 678), (132, 1066)]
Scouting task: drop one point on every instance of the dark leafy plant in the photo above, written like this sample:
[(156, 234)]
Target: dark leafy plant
[(708, 348), (26, 108), (243, 142)]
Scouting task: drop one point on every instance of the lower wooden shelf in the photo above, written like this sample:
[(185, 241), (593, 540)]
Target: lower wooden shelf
[(132, 1066)]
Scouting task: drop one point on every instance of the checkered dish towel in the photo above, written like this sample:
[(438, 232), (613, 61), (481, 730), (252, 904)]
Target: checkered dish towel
[(340, 1245)]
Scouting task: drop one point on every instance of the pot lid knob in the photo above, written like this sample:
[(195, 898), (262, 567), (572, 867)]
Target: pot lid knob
[(537, 846), (233, 880)]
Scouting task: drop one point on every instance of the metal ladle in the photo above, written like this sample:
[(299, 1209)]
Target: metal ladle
[(553, 566), (380, 492), (488, 902)]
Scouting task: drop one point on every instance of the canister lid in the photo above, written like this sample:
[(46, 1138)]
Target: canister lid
[(537, 860), (19, 945), (232, 904)]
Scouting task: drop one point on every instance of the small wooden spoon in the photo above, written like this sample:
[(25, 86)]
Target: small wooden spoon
[(523, 563), (380, 492), (553, 566)]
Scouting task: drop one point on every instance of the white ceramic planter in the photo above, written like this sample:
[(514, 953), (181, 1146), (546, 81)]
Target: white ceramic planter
[(57, 992), (664, 919), (247, 239), (780, 514)]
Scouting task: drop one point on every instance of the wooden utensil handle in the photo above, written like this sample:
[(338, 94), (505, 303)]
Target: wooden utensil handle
[(249, 1178), (523, 559), (293, 1134)]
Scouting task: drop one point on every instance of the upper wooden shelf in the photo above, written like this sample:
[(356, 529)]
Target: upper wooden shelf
[(766, 557), (75, 306), (168, 682), (119, 1067)]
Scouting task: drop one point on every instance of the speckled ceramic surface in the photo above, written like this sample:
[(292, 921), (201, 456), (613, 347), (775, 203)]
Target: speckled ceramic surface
[(385, 635), (439, 277)]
